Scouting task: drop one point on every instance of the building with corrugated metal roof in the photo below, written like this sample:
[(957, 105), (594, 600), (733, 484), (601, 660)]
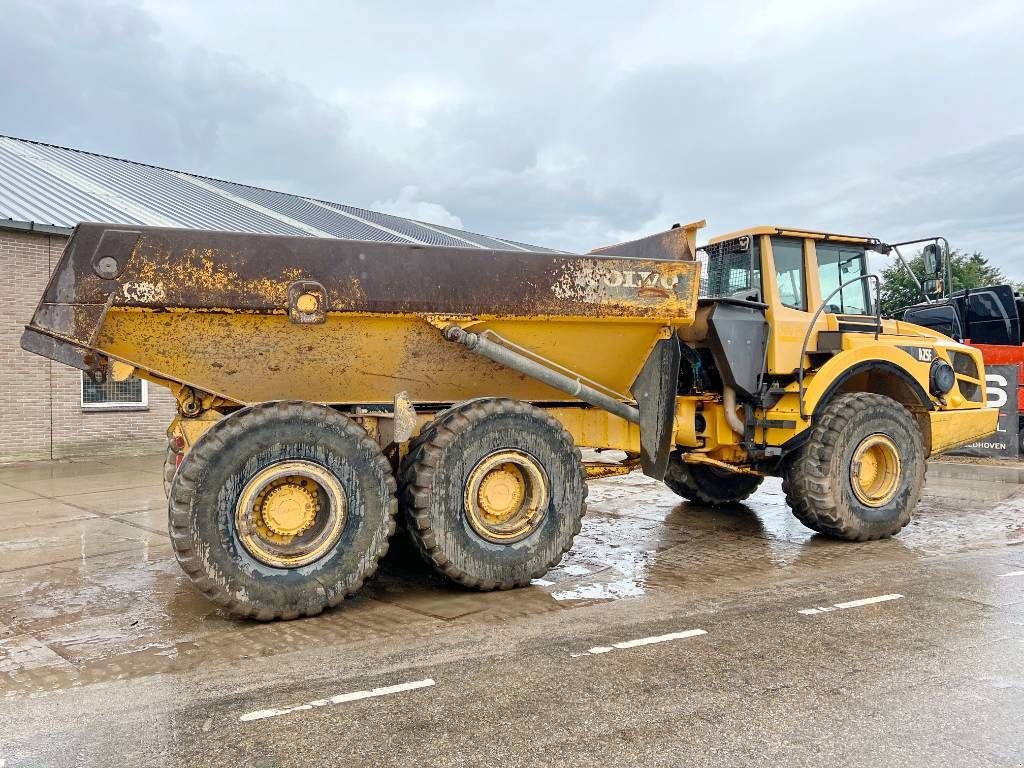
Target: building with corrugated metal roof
[(50, 410)]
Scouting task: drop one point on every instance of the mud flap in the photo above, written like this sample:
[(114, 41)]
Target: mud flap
[(655, 393), (738, 337)]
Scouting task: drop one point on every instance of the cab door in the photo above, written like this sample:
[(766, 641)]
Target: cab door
[(790, 290), (800, 274)]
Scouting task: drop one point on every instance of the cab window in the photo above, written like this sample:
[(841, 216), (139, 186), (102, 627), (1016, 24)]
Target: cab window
[(729, 269), (745, 279), (838, 264), (789, 271)]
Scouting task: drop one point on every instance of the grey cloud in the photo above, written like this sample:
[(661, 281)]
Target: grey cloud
[(975, 197), (567, 124), (111, 85)]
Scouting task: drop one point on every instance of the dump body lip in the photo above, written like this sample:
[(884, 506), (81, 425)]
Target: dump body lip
[(54, 347), (193, 269), (108, 272)]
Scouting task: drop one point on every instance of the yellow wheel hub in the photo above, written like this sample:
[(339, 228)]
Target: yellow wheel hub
[(501, 493), (289, 509), (506, 496), (875, 470), (290, 513)]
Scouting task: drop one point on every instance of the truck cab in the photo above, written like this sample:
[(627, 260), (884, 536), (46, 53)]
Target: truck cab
[(792, 273), (989, 315), (789, 329)]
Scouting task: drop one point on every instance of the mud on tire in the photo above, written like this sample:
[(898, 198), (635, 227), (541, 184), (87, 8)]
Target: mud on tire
[(441, 461), (170, 468), (818, 478), (212, 475), (707, 485)]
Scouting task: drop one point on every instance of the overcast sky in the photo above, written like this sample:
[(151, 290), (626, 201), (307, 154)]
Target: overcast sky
[(569, 124)]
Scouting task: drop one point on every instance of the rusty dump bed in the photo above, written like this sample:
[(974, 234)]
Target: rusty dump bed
[(259, 317)]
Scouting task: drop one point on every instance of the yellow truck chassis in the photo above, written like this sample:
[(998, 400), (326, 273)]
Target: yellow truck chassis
[(323, 383)]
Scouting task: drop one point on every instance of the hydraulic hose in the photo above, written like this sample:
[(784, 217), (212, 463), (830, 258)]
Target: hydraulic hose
[(477, 344)]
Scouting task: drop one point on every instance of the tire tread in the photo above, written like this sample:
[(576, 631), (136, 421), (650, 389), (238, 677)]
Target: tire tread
[(213, 441), (806, 482), (417, 472)]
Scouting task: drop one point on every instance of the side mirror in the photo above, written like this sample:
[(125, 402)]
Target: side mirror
[(932, 255), (933, 286)]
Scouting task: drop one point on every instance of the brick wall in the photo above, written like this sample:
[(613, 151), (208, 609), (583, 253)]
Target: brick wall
[(42, 417)]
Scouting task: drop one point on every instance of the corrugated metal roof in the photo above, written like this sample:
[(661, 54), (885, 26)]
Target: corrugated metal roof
[(43, 184)]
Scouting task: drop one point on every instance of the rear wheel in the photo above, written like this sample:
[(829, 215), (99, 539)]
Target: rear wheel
[(861, 472), (494, 492), (708, 485), (281, 510)]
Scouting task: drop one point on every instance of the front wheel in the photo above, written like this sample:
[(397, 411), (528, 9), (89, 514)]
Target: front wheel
[(708, 485), (861, 472)]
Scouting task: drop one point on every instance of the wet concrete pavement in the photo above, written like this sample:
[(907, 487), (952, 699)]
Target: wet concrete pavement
[(109, 657)]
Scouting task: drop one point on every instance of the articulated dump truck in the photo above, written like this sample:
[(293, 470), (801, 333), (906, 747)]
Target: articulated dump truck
[(325, 386)]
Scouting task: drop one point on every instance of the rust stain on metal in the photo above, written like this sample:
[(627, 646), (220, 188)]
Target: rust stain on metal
[(347, 294), (161, 274)]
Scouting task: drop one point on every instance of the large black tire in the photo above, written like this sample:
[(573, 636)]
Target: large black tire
[(818, 478), (213, 474), (707, 485), (433, 481), (170, 468)]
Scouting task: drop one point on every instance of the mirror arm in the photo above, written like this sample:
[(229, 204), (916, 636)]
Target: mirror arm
[(910, 272), (948, 287)]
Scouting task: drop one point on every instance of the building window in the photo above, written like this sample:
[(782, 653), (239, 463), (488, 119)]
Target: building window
[(130, 394)]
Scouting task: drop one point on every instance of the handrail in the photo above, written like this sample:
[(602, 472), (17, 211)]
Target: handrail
[(814, 319)]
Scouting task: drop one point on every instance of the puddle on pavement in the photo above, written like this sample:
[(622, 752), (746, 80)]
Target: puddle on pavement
[(112, 603)]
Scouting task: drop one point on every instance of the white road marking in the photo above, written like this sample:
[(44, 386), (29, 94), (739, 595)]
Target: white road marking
[(850, 604), (660, 638), (598, 649), (1013, 573), (341, 698)]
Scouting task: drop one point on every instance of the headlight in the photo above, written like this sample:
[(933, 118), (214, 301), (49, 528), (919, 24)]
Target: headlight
[(941, 378)]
